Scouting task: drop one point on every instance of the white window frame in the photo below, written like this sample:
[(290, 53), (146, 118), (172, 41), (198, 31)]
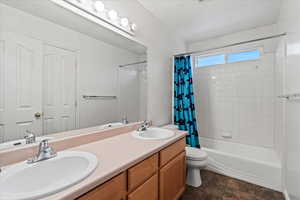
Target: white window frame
[(226, 52)]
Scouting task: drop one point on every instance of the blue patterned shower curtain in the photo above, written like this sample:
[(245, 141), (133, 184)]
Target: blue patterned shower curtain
[(184, 105)]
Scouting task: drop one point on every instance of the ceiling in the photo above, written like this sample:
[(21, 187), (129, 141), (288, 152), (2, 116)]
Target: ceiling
[(196, 20)]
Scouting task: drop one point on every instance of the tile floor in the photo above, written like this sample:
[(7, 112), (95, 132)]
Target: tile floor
[(219, 187)]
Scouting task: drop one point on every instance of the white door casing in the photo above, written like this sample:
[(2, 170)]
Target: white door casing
[(59, 90), (2, 89)]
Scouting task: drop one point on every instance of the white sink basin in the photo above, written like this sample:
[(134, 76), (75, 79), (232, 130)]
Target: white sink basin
[(20, 143), (111, 125), (24, 181), (153, 134)]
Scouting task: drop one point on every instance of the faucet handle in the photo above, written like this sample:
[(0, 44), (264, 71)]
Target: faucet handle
[(30, 137), (146, 123), (44, 144), (124, 120)]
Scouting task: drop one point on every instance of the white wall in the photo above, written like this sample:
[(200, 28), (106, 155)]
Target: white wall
[(251, 34), (289, 22), (97, 61), (98, 75)]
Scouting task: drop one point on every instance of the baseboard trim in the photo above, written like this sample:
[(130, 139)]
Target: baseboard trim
[(286, 195)]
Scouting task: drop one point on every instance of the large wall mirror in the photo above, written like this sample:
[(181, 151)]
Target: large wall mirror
[(65, 79)]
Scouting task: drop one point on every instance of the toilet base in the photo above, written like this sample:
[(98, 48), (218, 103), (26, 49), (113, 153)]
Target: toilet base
[(193, 177)]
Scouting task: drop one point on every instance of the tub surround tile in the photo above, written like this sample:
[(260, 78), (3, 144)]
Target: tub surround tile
[(219, 187)]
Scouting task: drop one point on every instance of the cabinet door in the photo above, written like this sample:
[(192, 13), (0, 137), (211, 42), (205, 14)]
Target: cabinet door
[(142, 172), (172, 178), (167, 154), (115, 189), (147, 191)]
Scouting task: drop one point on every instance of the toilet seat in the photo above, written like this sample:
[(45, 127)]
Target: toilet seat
[(195, 154)]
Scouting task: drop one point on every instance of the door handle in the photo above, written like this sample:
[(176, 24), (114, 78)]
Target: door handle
[(38, 115)]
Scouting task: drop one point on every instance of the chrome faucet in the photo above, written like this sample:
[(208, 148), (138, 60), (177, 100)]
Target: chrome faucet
[(45, 152), (124, 120), (30, 137), (144, 126)]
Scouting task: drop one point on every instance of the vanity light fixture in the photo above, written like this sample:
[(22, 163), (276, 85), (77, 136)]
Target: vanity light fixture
[(97, 9)]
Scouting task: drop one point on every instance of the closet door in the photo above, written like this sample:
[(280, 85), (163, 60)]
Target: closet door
[(59, 91), (20, 86)]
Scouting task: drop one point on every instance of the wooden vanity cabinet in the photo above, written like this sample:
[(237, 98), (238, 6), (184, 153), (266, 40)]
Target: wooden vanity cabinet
[(159, 177), (114, 189), (141, 172), (172, 178), (147, 191)]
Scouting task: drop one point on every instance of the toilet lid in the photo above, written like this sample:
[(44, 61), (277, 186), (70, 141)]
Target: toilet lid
[(195, 154)]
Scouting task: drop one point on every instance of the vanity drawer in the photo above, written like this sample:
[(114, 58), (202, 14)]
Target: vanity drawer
[(171, 151), (114, 189), (147, 191), (142, 171)]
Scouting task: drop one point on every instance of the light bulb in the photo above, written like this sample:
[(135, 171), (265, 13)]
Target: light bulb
[(113, 15), (124, 22), (133, 27), (99, 6)]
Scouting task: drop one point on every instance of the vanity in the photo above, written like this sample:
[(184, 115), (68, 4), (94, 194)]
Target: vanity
[(160, 176), (129, 168)]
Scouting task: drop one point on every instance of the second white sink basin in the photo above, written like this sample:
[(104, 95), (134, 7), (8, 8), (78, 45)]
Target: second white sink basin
[(24, 181), (153, 134), (20, 143), (111, 125)]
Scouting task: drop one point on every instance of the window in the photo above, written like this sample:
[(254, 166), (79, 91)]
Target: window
[(205, 61), (243, 56), (211, 60)]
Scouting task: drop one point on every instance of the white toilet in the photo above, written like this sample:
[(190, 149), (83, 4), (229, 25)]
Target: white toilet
[(196, 159)]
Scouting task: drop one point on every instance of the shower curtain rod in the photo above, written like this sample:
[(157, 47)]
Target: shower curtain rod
[(136, 63), (231, 45)]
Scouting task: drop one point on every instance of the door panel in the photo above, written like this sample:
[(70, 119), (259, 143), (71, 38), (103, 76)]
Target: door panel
[(22, 85), (59, 91), (28, 84)]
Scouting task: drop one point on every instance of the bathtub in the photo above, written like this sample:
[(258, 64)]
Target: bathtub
[(252, 164)]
